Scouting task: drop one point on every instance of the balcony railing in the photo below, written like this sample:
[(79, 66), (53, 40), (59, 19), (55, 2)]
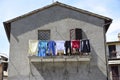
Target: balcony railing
[(47, 51), (71, 58), (114, 55), (115, 77), (114, 58)]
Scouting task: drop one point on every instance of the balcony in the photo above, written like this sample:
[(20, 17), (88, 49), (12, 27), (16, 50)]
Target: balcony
[(60, 58), (113, 61), (116, 77), (58, 51), (114, 58)]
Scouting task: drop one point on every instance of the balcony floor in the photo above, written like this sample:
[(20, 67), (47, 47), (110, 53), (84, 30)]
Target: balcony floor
[(59, 58)]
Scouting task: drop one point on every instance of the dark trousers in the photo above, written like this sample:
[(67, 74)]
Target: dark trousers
[(66, 50)]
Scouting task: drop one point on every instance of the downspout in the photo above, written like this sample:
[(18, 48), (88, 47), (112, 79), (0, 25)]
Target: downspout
[(107, 66)]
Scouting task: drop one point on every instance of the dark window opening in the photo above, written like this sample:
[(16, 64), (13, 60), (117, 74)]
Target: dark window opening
[(112, 50), (75, 34), (115, 73)]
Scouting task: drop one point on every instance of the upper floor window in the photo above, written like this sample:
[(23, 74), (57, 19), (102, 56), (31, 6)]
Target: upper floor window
[(112, 50), (43, 34)]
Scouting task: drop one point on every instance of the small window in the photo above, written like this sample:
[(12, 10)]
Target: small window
[(115, 72), (43, 34), (75, 34), (112, 50)]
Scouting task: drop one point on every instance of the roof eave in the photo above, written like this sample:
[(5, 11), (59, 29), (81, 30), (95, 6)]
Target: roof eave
[(107, 24), (7, 28)]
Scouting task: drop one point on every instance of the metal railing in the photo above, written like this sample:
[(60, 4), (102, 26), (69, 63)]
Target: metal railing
[(116, 77)]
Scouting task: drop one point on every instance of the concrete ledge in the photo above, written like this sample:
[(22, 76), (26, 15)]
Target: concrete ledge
[(59, 58), (110, 62)]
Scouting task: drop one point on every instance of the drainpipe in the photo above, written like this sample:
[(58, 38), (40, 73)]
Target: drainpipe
[(106, 58)]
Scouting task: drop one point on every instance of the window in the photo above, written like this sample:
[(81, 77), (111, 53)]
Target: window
[(115, 72), (112, 50), (75, 34), (43, 34)]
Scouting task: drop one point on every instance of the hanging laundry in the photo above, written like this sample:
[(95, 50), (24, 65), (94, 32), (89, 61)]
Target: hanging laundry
[(33, 47), (60, 49), (75, 45), (85, 46), (51, 47), (67, 47), (42, 46)]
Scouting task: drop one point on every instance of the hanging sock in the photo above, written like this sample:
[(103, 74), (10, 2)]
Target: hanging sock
[(33, 47)]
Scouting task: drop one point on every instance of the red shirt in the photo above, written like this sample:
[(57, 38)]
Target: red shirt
[(75, 44)]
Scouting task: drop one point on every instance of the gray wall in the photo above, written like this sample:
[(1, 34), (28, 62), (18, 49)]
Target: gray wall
[(59, 20)]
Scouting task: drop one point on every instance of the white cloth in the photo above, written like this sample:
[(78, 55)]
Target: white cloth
[(60, 47), (33, 47)]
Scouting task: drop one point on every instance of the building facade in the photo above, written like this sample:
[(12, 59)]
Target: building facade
[(113, 52), (56, 21), (3, 66), (1, 72)]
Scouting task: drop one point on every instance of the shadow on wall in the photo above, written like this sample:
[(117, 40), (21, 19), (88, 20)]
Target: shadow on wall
[(79, 70), (66, 71), (71, 70), (47, 16), (63, 70)]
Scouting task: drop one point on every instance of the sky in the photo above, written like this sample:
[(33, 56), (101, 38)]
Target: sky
[(10, 9)]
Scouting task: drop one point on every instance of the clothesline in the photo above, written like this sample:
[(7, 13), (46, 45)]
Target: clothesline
[(50, 47)]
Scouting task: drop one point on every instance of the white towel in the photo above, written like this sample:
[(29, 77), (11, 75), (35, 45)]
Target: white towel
[(33, 47)]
